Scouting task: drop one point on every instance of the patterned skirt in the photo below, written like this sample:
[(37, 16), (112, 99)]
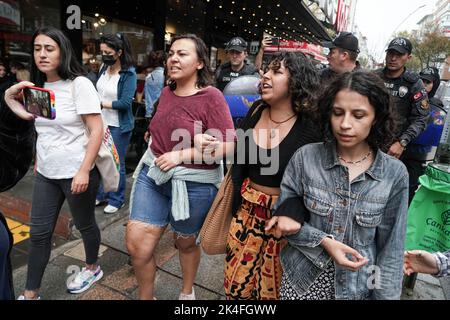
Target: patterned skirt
[(252, 265)]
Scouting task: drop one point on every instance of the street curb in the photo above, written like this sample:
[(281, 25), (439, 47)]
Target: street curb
[(19, 209)]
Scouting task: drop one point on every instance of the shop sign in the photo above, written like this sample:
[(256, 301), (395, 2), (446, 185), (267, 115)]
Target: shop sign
[(307, 48), (336, 11), (342, 16), (329, 8)]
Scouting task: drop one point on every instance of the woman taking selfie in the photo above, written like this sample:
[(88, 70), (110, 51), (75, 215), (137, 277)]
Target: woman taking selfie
[(64, 161)]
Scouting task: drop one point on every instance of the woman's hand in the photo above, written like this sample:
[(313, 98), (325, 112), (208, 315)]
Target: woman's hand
[(419, 261), (283, 226), (205, 143), (169, 160), (147, 136), (80, 182), (13, 98), (339, 252)]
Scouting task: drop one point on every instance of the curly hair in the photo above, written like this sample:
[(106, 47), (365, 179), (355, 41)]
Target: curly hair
[(205, 74), (367, 84), (303, 81)]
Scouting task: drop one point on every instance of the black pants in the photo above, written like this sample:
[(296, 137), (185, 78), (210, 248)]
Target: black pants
[(48, 198), (415, 169)]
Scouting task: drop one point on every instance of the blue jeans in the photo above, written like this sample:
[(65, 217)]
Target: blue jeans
[(152, 204), (121, 140)]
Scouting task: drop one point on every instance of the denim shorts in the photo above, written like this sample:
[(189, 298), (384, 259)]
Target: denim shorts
[(152, 204)]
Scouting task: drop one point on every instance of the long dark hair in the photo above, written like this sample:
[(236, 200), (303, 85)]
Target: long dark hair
[(118, 42), (69, 67), (303, 81), (205, 74), (371, 86)]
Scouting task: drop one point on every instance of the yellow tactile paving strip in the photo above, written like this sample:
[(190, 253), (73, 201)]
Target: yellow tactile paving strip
[(20, 231)]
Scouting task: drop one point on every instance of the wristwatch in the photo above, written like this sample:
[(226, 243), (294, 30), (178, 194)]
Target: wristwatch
[(403, 143)]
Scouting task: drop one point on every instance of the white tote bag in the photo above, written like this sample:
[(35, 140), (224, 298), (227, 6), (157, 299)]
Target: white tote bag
[(107, 161)]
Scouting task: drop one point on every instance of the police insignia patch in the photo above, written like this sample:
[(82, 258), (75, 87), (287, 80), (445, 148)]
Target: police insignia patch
[(425, 105), (402, 91)]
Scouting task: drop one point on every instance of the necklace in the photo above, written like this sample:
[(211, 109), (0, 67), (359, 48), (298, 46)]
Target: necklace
[(273, 131), (356, 162)]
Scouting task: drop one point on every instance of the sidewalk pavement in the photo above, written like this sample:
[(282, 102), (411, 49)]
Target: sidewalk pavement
[(119, 283)]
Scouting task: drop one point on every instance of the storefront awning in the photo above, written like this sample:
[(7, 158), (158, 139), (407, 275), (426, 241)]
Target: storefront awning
[(219, 20), (287, 19)]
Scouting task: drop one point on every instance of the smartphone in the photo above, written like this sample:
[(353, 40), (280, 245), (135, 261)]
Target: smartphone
[(275, 41), (40, 101)]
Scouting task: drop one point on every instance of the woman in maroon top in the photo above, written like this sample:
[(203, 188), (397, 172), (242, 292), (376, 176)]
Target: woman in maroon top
[(173, 185)]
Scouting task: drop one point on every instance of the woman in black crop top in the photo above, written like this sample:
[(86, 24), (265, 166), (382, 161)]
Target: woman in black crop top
[(275, 127)]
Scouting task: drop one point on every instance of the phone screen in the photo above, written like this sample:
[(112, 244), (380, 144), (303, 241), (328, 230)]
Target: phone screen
[(40, 102), (275, 41)]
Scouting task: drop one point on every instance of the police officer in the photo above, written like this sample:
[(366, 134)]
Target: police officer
[(342, 58), (421, 148), (237, 65), (410, 105)]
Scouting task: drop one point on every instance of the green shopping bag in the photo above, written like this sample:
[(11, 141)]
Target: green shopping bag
[(428, 225)]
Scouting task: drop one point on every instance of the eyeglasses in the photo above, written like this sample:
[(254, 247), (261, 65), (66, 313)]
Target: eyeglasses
[(426, 81)]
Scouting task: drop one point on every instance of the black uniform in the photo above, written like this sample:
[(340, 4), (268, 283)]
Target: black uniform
[(225, 74), (411, 111), (327, 75)]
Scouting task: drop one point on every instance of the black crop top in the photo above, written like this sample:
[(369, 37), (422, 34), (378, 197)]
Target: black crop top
[(269, 172), (266, 171), (303, 132)]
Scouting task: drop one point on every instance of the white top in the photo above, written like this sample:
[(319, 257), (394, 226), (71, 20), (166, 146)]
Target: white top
[(60, 144), (107, 89)]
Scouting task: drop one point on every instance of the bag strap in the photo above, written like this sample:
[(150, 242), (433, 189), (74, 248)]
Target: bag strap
[(103, 68), (256, 107)]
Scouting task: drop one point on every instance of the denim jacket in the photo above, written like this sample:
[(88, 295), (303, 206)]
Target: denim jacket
[(126, 89), (369, 214), (154, 83)]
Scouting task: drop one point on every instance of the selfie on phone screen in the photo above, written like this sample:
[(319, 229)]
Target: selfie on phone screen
[(40, 102)]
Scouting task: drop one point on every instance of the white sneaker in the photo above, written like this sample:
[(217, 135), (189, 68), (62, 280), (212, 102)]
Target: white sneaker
[(84, 280), (100, 203), (109, 209), (184, 296), (22, 297)]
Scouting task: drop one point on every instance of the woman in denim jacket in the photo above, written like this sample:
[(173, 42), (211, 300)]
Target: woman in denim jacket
[(117, 87), (349, 198)]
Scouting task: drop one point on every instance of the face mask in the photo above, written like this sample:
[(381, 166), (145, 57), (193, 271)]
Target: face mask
[(108, 60)]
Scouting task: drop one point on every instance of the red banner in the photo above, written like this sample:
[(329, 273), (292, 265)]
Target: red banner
[(307, 48)]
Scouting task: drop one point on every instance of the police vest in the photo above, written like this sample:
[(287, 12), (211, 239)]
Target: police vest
[(405, 91), (226, 74)]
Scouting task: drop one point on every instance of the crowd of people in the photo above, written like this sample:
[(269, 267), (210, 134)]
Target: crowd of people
[(322, 175)]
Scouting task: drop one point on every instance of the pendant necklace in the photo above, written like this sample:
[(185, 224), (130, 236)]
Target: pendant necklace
[(356, 162), (273, 131)]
